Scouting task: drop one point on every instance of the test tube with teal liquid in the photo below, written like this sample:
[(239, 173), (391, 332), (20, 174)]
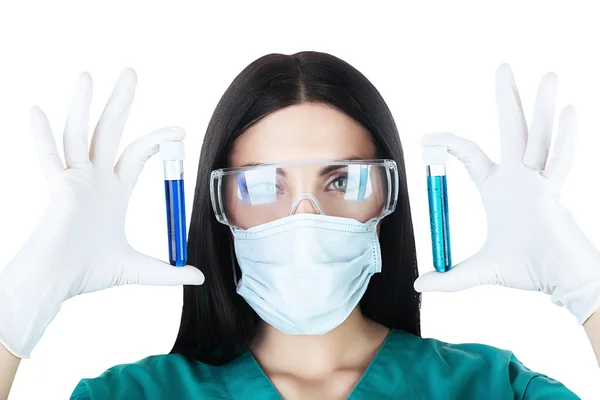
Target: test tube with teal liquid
[(172, 155), (435, 158)]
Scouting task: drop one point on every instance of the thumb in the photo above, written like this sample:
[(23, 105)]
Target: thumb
[(470, 273), (150, 271), (469, 153), (131, 163)]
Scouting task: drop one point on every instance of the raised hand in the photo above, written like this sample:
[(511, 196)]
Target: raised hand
[(533, 241), (79, 246)]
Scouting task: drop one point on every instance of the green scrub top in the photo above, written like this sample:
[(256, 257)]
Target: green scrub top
[(405, 367)]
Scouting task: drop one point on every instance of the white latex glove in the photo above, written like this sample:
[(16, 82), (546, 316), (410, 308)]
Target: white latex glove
[(533, 241), (79, 246)]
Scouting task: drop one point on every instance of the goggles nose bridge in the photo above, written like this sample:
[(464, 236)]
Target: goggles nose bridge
[(309, 197)]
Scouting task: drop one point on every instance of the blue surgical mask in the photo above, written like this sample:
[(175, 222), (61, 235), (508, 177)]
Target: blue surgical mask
[(305, 273)]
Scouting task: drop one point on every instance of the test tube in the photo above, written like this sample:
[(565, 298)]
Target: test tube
[(172, 155), (435, 158)]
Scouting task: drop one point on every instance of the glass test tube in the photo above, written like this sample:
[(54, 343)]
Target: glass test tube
[(435, 158), (172, 155)]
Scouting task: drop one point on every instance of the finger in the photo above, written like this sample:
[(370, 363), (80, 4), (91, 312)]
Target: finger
[(513, 128), (540, 134), (470, 273), (132, 161), (107, 135), (45, 144), (75, 138), (150, 271), (563, 150), (470, 154)]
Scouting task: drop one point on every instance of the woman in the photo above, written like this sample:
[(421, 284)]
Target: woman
[(306, 242)]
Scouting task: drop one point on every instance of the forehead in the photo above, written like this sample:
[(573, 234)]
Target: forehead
[(301, 132)]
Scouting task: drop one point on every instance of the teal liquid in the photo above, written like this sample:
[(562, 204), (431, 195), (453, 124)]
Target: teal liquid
[(437, 191)]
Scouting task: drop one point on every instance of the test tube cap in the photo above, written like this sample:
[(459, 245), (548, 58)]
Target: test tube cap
[(172, 150), (435, 155)]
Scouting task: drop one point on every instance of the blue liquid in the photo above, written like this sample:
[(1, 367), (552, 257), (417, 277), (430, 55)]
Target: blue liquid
[(440, 227), (176, 222)]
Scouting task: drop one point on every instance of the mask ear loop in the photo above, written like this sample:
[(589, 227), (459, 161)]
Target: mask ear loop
[(233, 259)]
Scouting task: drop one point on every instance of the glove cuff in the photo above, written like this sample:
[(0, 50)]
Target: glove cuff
[(25, 313), (582, 302)]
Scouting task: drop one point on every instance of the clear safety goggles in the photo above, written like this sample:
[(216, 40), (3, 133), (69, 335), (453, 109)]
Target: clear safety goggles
[(249, 196)]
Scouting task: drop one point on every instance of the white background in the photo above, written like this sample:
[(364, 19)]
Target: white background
[(434, 63)]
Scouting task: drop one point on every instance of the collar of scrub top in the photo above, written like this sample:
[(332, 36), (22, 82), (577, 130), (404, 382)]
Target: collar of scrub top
[(386, 375)]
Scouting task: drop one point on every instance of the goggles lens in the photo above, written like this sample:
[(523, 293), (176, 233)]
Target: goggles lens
[(250, 196)]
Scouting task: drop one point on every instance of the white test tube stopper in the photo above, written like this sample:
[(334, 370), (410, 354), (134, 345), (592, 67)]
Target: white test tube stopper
[(435, 155), (172, 151)]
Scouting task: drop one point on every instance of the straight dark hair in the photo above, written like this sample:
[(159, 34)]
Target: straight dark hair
[(217, 323)]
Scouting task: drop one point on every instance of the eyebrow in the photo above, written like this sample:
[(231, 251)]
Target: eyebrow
[(323, 171), (329, 169), (352, 158)]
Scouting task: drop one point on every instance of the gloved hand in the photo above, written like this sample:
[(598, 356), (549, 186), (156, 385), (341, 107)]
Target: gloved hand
[(533, 241), (79, 246)]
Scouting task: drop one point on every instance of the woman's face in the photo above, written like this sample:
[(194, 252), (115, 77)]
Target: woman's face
[(306, 131)]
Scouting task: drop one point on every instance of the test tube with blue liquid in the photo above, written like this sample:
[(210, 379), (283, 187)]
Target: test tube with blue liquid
[(172, 155), (436, 158)]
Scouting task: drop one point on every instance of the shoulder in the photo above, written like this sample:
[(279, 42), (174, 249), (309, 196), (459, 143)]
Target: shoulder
[(438, 352), (155, 377), (471, 369)]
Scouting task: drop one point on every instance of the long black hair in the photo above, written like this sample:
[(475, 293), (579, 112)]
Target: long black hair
[(217, 323)]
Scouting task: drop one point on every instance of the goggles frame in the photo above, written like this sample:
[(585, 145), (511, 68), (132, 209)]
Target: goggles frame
[(390, 166)]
